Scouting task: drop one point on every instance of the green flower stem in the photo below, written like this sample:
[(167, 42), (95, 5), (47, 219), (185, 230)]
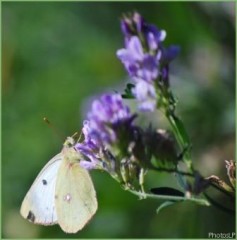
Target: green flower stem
[(143, 195), (181, 136), (169, 170), (175, 130), (167, 104), (229, 194)]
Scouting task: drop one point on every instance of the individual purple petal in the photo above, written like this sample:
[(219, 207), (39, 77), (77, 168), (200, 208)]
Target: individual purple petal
[(159, 35), (162, 35), (87, 147), (132, 68), (133, 23), (135, 48), (125, 27), (88, 165), (150, 68), (139, 21), (158, 55), (170, 53), (144, 89), (165, 74), (131, 56), (125, 55), (133, 51), (152, 43), (146, 95), (90, 151), (148, 105), (86, 129)]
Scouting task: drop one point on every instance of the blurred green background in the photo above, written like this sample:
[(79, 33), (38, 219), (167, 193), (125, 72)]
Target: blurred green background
[(57, 56)]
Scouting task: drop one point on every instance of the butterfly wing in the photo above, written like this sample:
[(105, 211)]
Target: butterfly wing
[(75, 197), (39, 204)]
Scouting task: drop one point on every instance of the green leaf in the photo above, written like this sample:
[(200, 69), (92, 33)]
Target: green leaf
[(182, 131), (128, 91), (130, 86), (164, 205)]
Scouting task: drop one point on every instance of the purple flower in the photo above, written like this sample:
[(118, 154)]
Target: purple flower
[(89, 165), (145, 59), (107, 127), (137, 63)]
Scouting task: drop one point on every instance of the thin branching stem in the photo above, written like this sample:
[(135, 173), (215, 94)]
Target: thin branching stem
[(222, 190), (218, 205), (172, 170), (168, 170), (143, 195)]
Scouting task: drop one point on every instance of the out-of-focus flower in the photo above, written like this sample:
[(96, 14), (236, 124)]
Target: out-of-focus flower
[(145, 58), (170, 53), (163, 148), (134, 25)]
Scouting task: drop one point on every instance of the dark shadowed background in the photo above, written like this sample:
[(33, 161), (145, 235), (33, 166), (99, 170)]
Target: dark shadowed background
[(57, 56)]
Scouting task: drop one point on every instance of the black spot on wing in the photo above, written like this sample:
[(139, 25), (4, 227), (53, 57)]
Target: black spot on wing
[(44, 182), (31, 216)]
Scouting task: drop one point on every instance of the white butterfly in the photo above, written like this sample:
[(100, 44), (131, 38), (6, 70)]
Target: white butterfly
[(62, 193)]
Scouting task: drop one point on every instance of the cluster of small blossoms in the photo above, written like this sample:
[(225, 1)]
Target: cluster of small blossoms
[(145, 58), (112, 142), (109, 138)]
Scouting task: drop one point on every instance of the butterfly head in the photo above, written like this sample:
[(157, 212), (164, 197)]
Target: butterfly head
[(70, 142), (69, 151)]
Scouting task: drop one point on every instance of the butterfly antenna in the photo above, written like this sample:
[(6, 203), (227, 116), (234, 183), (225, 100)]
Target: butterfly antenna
[(77, 134), (80, 136), (55, 130)]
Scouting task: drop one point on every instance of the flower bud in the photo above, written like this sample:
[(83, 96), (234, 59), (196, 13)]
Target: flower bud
[(129, 172), (163, 148)]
